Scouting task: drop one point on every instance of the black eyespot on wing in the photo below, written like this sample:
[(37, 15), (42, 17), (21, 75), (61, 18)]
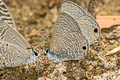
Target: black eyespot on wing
[(96, 30), (84, 48), (6, 44)]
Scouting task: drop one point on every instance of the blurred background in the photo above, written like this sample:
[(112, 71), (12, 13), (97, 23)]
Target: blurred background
[(35, 20)]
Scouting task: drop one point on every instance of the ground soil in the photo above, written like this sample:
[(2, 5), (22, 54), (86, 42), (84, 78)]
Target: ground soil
[(35, 20)]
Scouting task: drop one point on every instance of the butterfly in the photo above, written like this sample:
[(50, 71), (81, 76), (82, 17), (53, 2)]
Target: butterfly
[(14, 49), (67, 42)]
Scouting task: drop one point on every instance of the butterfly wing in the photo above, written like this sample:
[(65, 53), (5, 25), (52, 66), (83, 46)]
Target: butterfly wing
[(67, 41), (87, 23), (72, 9), (92, 8), (12, 55), (15, 51), (5, 14), (89, 28)]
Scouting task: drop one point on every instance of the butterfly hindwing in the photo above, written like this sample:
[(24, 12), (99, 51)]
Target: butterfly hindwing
[(15, 51), (87, 23)]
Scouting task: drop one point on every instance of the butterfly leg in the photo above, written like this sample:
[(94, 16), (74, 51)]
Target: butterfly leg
[(26, 68)]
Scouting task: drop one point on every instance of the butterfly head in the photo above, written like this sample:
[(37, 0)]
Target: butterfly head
[(47, 50), (51, 55), (35, 54)]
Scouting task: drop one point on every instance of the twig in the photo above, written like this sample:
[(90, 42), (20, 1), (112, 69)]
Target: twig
[(113, 51)]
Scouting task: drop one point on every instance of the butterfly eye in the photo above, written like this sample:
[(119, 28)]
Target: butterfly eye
[(84, 48), (95, 30), (36, 54), (47, 50)]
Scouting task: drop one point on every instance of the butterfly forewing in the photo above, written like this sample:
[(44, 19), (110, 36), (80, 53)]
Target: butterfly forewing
[(72, 8)]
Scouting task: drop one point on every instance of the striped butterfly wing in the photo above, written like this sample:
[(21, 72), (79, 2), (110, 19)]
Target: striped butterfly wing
[(87, 24), (67, 41), (89, 28), (72, 9), (14, 50), (92, 7), (5, 14)]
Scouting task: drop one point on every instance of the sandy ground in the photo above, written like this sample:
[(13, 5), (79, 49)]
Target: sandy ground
[(35, 20)]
